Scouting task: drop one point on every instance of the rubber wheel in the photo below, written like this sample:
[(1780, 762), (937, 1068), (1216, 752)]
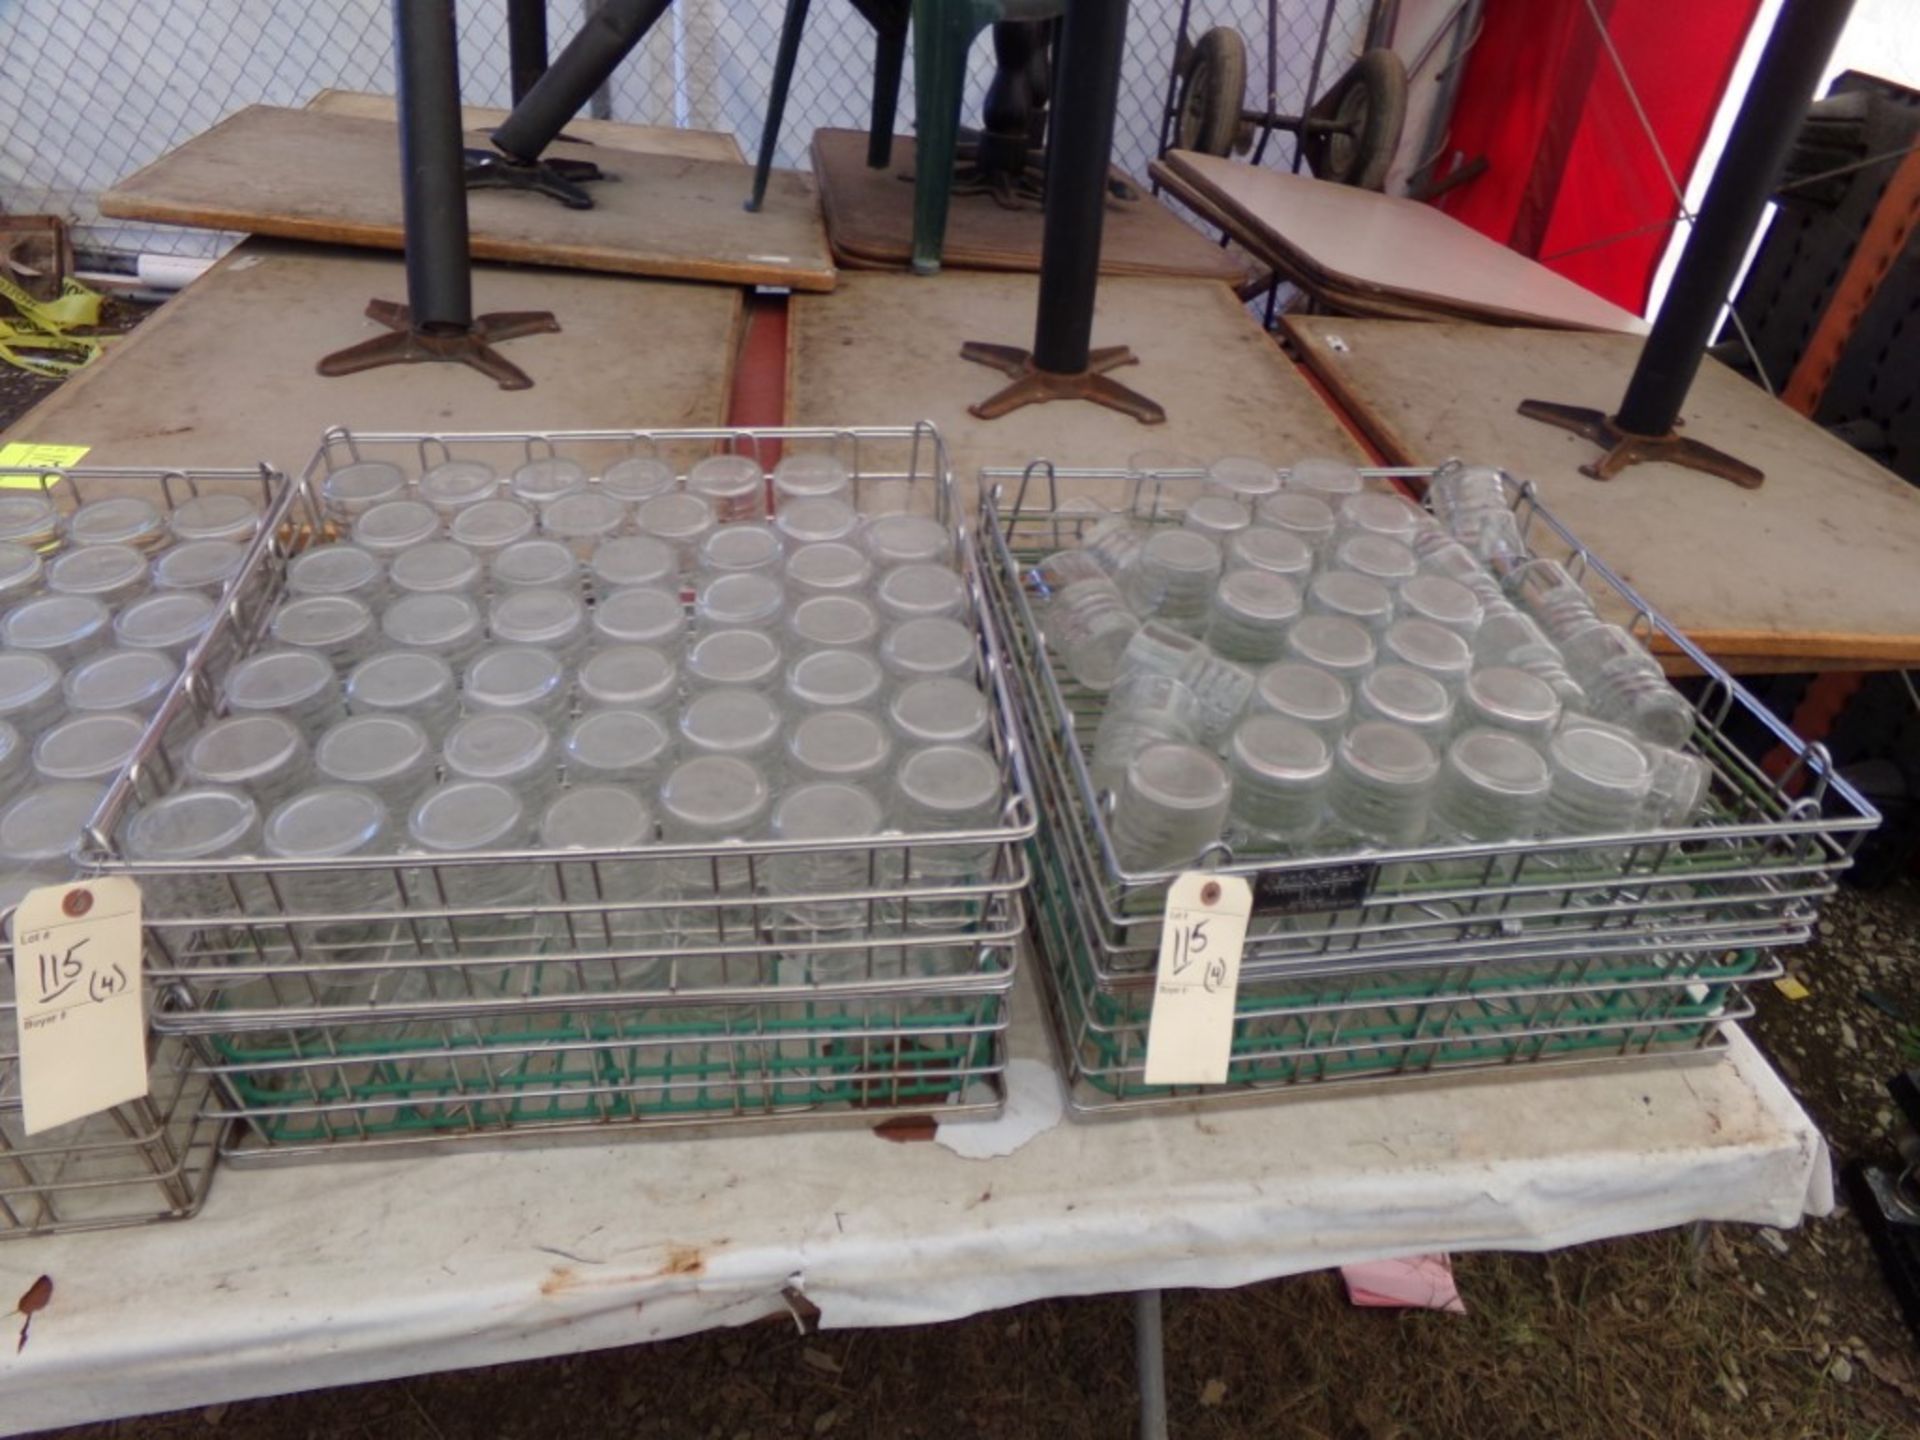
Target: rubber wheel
[(1212, 93), (1369, 104)]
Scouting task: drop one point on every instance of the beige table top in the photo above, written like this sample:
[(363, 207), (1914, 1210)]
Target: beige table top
[(614, 134)]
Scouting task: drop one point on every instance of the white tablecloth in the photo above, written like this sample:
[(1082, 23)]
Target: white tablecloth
[(296, 1278)]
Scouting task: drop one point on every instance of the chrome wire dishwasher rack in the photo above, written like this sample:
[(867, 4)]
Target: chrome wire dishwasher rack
[(672, 984), (1376, 964), (153, 1158)]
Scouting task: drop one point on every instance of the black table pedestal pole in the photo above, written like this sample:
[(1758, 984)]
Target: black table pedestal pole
[(1062, 365), (437, 322), (1644, 428)]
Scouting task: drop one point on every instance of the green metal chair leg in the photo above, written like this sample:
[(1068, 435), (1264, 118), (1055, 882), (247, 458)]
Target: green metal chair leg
[(889, 59), (789, 52), (943, 32)]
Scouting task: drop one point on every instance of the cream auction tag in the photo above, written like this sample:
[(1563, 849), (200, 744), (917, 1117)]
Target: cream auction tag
[(76, 978), (1190, 1036)]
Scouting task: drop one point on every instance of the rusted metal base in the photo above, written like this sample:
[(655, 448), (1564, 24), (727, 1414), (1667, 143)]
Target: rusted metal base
[(1623, 448), (471, 346), (1033, 386), (562, 180)]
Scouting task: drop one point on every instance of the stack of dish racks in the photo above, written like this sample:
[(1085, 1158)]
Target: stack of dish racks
[(1375, 964), (342, 1004)]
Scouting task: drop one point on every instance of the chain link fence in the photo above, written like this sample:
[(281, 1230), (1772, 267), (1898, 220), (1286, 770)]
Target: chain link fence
[(91, 90)]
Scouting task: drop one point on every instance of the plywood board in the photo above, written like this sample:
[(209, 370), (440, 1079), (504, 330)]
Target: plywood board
[(885, 350), (870, 222), (1364, 241), (304, 175), (614, 134), (224, 373), (1817, 565)]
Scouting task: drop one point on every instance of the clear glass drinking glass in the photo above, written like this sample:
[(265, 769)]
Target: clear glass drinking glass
[(913, 592), (454, 485), (1493, 786), (336, 822), (845, 745), (395, 525), (1440, 601), (1510, 639), (1333, 643), (832, 567), (1303, 693), (337, 570), (299, 684), (131, 680), (216, 515), (1319, 475), (1627, 685), (1251, 610), (15, 770), (749, 658), (710, 800), (21, 572), (1220, 687), (677, 519), (38, 830), (907, 540), (435, 568), (626, 677), (1601, 778), (1308, 518), (1382, 785), (264, 755), (111, 574), (548, 478), (1439, 554), (1174, 579), (1677, 790), (1376, 557), (583, 521), (925, 649), (1218, 517), (1278, 552), (1089, 625), (1171, 807), (732, 721), (446, 625), (618, 747), (735, 548), (203, 565), (816, 520), (1115, 542), (29, 519), (509, 747), (1500, 697), (534, 565), (391, 755), (811, 474), (336, 626), (1409, 697), (834, 622), (517, 678), (465, 817), (89, 747), (549, 619), (941, 789), (1280, 769), (938, 712), (487, 527), (1460, 493), (116, 520), (834, 680), (604, 818), (824, 811), (1243, 478), (734, 485), (747, 598), (352, 490), (642, 615), (1433, 648), (406, 682), (637, 479), (30, 689), (203, 823), (171, 622), (627, 561), (1377, 512), (1554, 598), (1144, 707), (1357, 597)]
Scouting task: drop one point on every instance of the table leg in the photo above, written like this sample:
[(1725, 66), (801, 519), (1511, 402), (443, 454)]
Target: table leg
[(1150, 1364)]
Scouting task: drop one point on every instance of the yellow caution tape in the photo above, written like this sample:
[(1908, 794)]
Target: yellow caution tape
[(37, 341)]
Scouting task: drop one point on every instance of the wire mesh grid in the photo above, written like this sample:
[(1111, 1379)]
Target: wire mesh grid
[(92, 90), (689, 982)]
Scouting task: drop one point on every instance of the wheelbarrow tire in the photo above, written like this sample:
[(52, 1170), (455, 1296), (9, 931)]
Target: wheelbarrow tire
[(1370, 104), (1213, 91)]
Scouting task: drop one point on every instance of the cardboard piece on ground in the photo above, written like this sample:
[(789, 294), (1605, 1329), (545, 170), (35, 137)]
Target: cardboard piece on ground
[(870, 222), (1813, 569), (1395, 248), (885, 350), (224, 373), (614, 134), (307, 175)]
